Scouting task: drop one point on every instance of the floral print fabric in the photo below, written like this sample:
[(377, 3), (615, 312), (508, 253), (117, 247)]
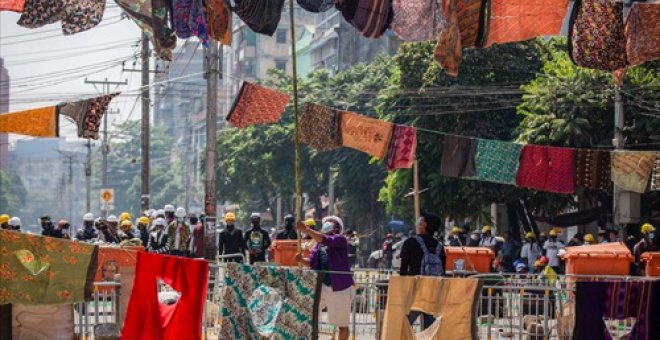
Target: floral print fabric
[(152, 17), (93, 117), (189, 19), (12, 5), (631, 169), (38, 13), (256, 105), (287, 311), (369, 135), (497, 161), (41, 122), (76, 15), (462, 26), (44, 270), (319, 127), (218, 20), (643, 33), (418, 20)]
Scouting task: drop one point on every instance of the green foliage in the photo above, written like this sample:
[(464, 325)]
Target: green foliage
[(12, 192)]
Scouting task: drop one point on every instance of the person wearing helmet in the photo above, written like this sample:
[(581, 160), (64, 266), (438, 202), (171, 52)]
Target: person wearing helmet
[(88, 233), (455, 237), (256, 240), (112, 231), (231, 240), (4, 221), (288, 232), (14, 224), (143, 229), (552, 246), (158, 238), (331, 254), (647, 243), (127, 232), (64, 226), (576, 240), (487, 239), (178, 233), (589, 240), (169, 212), (124, 216), (530, 250)]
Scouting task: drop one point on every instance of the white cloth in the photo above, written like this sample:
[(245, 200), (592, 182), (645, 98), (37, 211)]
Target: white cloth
[(552, 251), (338, 305), (530, 251)]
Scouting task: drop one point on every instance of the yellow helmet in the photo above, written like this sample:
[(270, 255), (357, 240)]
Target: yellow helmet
[(230, 217), (143, 220), (456, 230), (310, 222), (646, 228), (553, 232), (126, 224), (530, 235), (4, 218), (486, 228), (124, 216), (588, 238)]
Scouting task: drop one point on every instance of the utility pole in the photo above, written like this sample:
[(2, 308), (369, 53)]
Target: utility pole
[(144, 174), (88, 177), (105, 149), (212, 76)]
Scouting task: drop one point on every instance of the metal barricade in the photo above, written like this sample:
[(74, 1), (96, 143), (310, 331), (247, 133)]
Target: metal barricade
[(105, 308)]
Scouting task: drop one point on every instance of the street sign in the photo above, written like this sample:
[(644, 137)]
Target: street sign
[(107, 196)]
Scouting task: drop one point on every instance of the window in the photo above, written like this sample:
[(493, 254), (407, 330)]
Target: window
[(280, 65), (249, 69), (280, 36), (250, 37)]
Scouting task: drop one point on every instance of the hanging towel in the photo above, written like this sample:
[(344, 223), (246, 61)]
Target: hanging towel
[(497, 161), (38, 13), (631, 169), (594, 169), (262, 16), (152, 17), (188, 19), (81, 15), (462, 26), (219, 22), (417, 20), (365, 134), (402, 148), (655, 177), (520, 20), (12, 5), (41, 122), (148, 318), (257, 105), (547, 168), (260, 302), (643, 33), (458, 155), (319, 127), (596, 38), (370, 17), (38, 270), (316, 6)]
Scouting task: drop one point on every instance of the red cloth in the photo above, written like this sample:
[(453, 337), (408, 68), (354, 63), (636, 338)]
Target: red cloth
[(402, 147), (547, 168), (147, 318), (12, 5)]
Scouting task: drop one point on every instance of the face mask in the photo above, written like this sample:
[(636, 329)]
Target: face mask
[(651, 236), (327, 228), (474, 237)]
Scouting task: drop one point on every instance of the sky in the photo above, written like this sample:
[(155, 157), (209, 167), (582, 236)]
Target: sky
[(47, 67)]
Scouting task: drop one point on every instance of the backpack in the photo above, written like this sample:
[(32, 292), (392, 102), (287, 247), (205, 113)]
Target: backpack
[(431, 262)]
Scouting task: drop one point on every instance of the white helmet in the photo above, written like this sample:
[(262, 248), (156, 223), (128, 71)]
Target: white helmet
[(160, 212), (180, 212), (160, 222), (15, 222), (169, 208), (112, 218), (154, 214), (88, 217)]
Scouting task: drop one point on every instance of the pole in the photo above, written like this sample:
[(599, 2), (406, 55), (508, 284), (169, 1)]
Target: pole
[(88, 177), (331, 193), (211, 144), (416, 188), (294, 71), (145, 137)]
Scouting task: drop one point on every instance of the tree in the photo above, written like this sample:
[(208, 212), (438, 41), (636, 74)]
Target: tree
[(12, 192)]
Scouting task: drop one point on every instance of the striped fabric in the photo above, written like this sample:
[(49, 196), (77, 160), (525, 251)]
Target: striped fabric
[(370, 17)]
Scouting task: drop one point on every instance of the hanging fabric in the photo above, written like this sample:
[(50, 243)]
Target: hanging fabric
[(596, 38), (12, 5), (316, 6), (42, 322), (44, 270), (149, 318), (497, 161), (655, 175), (38, 13), (256, 104), (263, 302), (218, 19), (463, 23), (520, 20), (458, 155), (87, 114), (82, 15), (402, 148), (642, 32), (41, 122), (188, 19), (631, 169), (262, 16), (547, 168), (417, 20), (594, 169), (152, 17), (371, 18), (320, 127), (369, 135)]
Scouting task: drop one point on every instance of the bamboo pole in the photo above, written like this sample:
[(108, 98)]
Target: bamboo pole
[(416, 189), (296, 149)]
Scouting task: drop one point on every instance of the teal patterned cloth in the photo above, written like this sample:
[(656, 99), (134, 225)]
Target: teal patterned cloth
[(261, 302), (497, 161)]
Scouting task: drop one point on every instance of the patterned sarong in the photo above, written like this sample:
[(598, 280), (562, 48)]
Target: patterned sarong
[(402, 148), (41, 122), (319, 127), (369, 135), (256, 105), (631, 169), (497, 161)]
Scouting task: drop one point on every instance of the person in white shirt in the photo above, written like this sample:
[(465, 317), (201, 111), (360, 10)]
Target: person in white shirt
[(487, 239), (530, 250), (552, 247)]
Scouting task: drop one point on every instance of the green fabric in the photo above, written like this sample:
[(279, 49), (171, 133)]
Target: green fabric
[(497, 161), (43, 270), (271, 302)]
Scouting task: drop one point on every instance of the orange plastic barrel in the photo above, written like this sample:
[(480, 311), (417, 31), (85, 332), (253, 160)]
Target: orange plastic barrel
[(480, 257), (652, 261), (284, 252), (599, 259)]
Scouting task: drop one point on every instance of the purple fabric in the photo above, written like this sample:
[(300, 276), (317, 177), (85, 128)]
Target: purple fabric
[(338, 258)]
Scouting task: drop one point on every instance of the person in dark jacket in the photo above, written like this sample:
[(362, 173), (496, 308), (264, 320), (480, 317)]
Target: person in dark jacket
[(48, 229), (143, 230), (231, 240), (158, 238), (289, 230), (257, 240), (88, 233), (412, 255)]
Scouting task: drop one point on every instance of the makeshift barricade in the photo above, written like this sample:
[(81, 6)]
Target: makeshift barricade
[(600, 259), (652, 261)]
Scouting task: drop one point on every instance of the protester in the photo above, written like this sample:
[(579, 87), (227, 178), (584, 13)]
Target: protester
[(576, 240), (552, 247), (4, 221), (168, 211), (127, 232), (474, 239), (14, 224), (256, 240), (178, 234), (143, 229), (124, 216), (353, 245), (231, 240), (487, 239), (542, 238), (454, 238), (510, 252), (88, 233), (308, 242), (423, 255), (612, 235), (48, 229), (197, 237), (388, 250), (589, 239), (631, 241), (331, 254), (647, 243), (65, 229), (602, 236), (288, 232), (530, 250), (113, 229), (158, 239)]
